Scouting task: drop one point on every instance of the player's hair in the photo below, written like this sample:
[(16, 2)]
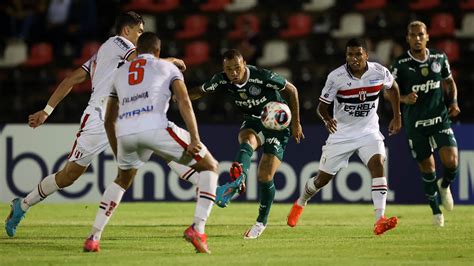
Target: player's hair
[(129, 18), (231, 54), (148, 42), (416, 23), (356, 42)]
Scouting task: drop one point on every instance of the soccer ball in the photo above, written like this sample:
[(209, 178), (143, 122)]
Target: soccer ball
[(276, 116)]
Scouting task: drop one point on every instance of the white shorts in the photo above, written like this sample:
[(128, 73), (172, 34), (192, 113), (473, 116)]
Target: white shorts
[(169, 143), (91, 139), (336, 156)]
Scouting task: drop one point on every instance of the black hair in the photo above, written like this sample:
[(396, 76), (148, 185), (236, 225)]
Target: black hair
[(129, 18), (357, 42), (231, 54), (148, 42)]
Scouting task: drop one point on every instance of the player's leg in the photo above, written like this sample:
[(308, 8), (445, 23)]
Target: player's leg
[(333, 158), (185, 172), (372, 153), (448, 154), (267, 167), (422, 151), (248, 142), (84, 150)]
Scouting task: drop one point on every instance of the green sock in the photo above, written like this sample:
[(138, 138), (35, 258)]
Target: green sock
[(431, 191), (449, 176), (267, 194), (244, 156)]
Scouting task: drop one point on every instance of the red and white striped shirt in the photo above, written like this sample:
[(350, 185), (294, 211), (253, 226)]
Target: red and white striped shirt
[(355, 100)]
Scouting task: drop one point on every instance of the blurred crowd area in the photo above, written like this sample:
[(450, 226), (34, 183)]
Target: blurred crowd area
[(303, 40)]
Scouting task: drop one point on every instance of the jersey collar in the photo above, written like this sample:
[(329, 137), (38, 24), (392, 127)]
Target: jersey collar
[(246, 79), (146, 56), (427, 51), (349, 72)]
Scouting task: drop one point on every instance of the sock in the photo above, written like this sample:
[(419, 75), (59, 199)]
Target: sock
[(244, 156), (449, 176), (185, 172), (207, 194), (267, 194), (45, 188), (379, 196), (108, 203), (309, 191), (431, 191)]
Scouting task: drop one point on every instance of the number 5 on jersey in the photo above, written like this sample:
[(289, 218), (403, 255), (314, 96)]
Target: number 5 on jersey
[(136, 72)]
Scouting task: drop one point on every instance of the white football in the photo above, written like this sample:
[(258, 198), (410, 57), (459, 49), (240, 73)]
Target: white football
[(276, 116)]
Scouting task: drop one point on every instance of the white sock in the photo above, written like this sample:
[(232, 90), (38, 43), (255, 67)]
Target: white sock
[(185, 172), (379, 196), (108, 204), (309, 191), (207, 194), (45, 188)]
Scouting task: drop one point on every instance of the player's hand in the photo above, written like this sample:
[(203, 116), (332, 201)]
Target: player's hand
[(411, 98), (297, 132), (178, 63), (395, 125), (194, 148), (37, 119), (453, 110), (331, 125)]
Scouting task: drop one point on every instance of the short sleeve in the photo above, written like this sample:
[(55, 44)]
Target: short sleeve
[(329, 91), (89, 64), (388, 79), (446, 68), (123, 47), (274, 80), (215, 83)]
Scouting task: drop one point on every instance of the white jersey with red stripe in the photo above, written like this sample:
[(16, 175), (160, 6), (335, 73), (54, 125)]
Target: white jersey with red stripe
[(101, 68), (355, 100), (143, 88)]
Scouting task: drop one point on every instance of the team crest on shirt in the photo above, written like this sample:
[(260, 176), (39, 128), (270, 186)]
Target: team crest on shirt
[(436, 67), (243, 95), (254, 90), (425, 71), (362, 95)]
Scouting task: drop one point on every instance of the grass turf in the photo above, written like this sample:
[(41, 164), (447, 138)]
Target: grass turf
[(327, 234)]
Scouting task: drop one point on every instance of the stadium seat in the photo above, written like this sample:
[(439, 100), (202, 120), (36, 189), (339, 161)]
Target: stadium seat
[(240, 22), (241, 5), (40, 54), (299, 25), (423, 4), (151, 6), (214, 5), (196, 53), (193, 26), (351, 25), (442, 24), (467, 27), (466, 5), (318, 5), (450, 48), (275, 52), (383, 51), (16, 52), (284, 72), (150, 23), (88, 50), (370, 4)]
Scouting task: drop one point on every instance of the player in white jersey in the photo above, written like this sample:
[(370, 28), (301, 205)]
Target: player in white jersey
[(354, 88), (136, 119), (91, 138)]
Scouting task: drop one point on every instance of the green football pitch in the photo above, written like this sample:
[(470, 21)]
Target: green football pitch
[(328, 234)]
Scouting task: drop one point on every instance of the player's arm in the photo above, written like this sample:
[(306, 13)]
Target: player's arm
[(323, 113), (110, 119), (393, 95), (291, 95), (177, 62), (450, 87), (196, 93), (77, 76), (186, 110)]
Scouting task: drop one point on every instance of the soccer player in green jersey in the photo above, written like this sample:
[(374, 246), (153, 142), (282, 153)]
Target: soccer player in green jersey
[(423, 76), (251, 88)]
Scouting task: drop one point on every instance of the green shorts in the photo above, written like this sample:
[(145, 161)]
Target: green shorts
[(274, 142), (422, 144)]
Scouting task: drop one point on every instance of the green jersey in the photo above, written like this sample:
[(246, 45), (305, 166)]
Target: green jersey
[(261, 86), (429, 113)]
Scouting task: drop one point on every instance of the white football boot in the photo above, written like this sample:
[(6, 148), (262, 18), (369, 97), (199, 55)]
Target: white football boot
[(446, 196), (438, 220), (254, 232)]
